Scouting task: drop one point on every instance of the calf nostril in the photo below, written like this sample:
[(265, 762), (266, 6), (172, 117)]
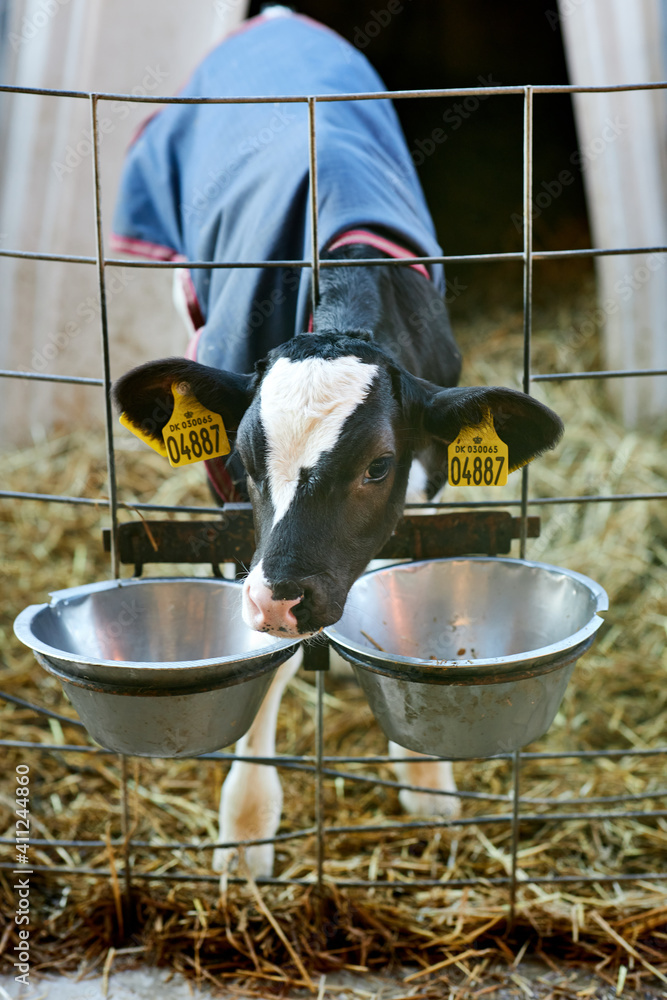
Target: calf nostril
[(290, 617), (287, 590)]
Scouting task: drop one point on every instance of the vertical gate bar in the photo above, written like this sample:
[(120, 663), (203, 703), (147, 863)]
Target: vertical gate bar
[(516, 789), (125, 829), (319, 796), (312, 149), (527, 286), (108, 412), (527, 333), (111, 458), (315, 287)]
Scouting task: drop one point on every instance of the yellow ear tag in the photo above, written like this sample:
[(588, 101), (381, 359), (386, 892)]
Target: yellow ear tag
[(157, 446), (193, 433), (477, 457)]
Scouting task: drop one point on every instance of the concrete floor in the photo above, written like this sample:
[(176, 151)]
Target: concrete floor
[(152, 984), (138, 984), (531, 979)]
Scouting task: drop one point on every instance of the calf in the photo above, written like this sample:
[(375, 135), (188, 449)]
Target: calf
[(331, 412)]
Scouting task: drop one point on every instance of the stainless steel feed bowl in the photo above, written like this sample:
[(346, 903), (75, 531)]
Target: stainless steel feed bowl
[(156, 667), (467, 657)]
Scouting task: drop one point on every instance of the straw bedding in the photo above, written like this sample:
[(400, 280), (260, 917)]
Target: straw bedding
[(450, 937)]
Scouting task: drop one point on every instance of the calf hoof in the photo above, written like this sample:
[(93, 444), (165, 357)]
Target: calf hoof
[(257, 860)]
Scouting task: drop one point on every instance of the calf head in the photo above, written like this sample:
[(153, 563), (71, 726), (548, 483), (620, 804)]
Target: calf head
[(327, 428)]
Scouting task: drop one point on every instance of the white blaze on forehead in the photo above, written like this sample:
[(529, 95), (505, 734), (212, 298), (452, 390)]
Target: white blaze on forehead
[(303, 406)]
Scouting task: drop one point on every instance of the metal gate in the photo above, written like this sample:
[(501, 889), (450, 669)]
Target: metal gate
[(519, 808)]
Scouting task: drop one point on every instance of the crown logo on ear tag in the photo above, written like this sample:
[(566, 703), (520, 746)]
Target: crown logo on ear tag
[(193, 433), (477, 457)]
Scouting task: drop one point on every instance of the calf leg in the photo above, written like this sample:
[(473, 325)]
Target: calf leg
[(427, 773), (423, 770), (252, 797)]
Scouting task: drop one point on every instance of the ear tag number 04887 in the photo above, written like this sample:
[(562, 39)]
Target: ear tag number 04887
[(477, 457), (193, 432)]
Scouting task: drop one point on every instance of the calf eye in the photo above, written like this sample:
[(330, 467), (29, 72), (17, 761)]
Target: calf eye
[(378, 469)]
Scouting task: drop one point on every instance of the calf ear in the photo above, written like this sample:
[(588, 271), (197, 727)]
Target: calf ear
[(144, 394), (524, 424)]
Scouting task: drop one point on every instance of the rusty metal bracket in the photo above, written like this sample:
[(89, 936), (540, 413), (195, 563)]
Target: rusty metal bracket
[(231, 538)]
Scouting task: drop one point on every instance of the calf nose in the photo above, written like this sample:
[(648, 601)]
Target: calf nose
[(262, 612)]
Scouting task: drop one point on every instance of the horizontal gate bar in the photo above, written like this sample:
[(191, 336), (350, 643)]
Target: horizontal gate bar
[(102, 502), (421, 883), (581, 376), (493, 255), (400, 828), (380, 95), (307, 760)]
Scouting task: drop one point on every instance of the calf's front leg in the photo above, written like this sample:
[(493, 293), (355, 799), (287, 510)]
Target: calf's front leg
[(251, 800), (423, 770)]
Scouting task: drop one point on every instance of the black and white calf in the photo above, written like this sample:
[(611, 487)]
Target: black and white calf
[(329, 426)]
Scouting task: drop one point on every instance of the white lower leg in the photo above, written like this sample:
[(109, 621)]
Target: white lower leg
[(427, 773), (251, 799)]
